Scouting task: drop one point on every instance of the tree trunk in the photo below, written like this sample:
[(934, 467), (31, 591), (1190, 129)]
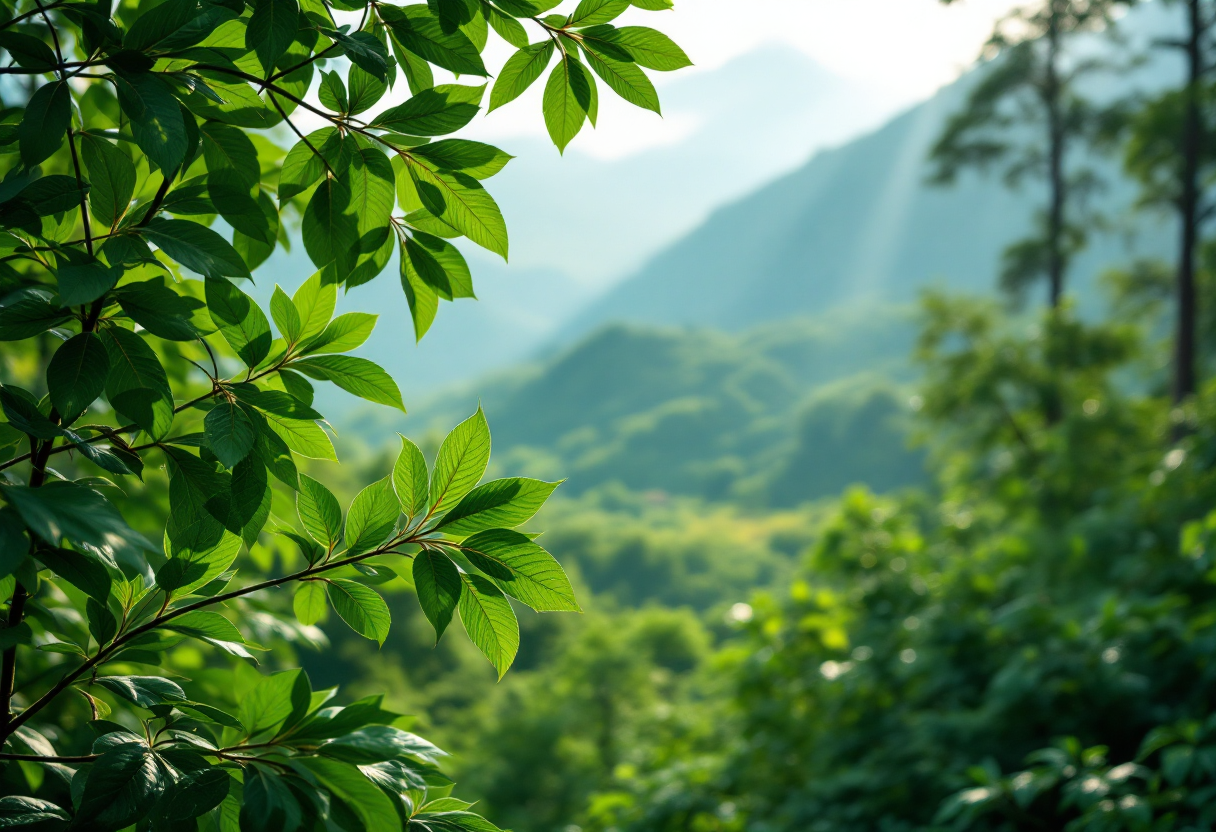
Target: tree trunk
[(1056, 183), (1188, 209)]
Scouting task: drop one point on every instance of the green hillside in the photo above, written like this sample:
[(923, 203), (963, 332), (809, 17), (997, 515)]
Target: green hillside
[(774, 415)]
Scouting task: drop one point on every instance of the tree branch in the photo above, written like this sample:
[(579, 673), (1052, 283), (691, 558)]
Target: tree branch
[(103, 654)]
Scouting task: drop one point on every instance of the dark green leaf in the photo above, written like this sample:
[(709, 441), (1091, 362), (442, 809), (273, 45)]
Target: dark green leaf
[(240, 321), (144, 691), (230, 432), (82, 571), (196, 247), (122, 786), (420, 31), (433, 112), (156, 119), (28, 51), (137, 386), (45, 122), (77, 374), (481, 161), (62, 509), (272, 28), (22, 811)]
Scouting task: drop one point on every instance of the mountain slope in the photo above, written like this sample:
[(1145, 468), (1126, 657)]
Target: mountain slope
[(860, 222)]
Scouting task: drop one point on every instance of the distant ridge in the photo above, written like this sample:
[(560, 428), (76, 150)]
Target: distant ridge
[(860, 222)]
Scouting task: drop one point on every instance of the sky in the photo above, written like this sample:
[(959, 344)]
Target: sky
[(902, 49)]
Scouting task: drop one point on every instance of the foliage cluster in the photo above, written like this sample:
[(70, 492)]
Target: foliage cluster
[(132, 136)]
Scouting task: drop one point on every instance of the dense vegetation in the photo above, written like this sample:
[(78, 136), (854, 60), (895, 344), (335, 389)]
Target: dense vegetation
[(129, 131), (1023, 642)]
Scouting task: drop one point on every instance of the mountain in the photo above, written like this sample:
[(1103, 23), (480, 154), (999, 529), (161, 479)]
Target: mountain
[(862, 223), (579, 220), (770, 416)]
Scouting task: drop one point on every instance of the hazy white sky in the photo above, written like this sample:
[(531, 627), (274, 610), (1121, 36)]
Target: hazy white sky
[(904, 49)]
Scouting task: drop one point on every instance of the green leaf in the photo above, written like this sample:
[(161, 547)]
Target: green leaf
[(156, 119), (508, 28), (196, 247), (646, 47), (112, 177), (229, 149), (364, 51), (440, 265), (192, 796), (272, 28), (314, 302), (332, 92), (319, 512), (309, 603), (331, 234), (239, 320), (230, 432), (275, 700), (420, 31), (144, 691), (238, 206), (461, 202), (360, 607), (478, 160), (567, 100), (410, 479), (83, 279), (500, 504), (522, 569), (267, 802), (344, 333), (29, 316), (137, 386), (285, 316), (365, 90), (304, 437), (519, 72), (437, 582), (102, 625), (625, 79), (423, 300), (82, 571), (489, 620), (28, 52), (77, 374), (461, 462), (357, 376), (367, 801), (45, 122), (372, 517), (159, 23), (592, 12), (123, 784), (203, 624), (433, 112), (377, 744), (159, 309), (306, 162), (22, 811), (68, 510)]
